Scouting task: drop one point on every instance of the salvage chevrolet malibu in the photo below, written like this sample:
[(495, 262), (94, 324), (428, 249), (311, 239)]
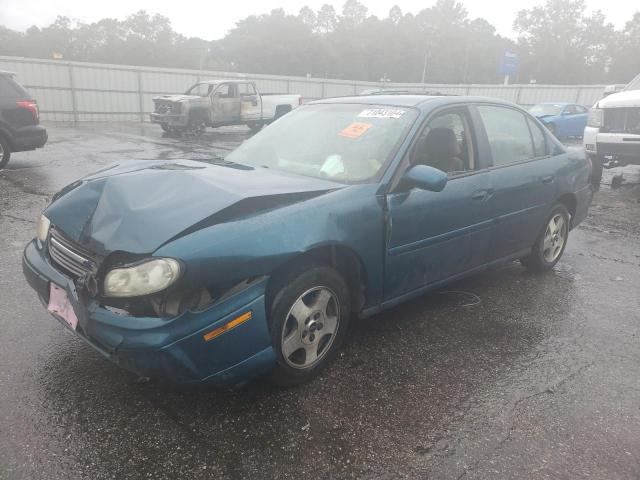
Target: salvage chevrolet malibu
[(213, 273)]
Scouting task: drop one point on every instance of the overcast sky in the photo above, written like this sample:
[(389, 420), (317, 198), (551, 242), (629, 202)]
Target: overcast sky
[(211, 19)]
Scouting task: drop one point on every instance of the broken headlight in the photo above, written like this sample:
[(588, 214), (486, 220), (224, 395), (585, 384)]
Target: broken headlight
[(148, 277), (42, 230)]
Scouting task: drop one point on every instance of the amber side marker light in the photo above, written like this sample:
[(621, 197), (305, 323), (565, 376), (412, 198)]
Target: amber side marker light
[(227, 326)]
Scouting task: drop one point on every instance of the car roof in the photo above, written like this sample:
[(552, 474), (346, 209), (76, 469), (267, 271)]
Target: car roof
[(6, 72), (556, 103), (213, 82), (412, 100)]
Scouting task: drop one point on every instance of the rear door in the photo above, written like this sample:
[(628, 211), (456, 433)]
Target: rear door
[(226, 104), (569, 118), (250, 102), (523, 177), (436, 235)]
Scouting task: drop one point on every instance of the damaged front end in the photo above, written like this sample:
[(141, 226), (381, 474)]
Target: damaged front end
[(169, 335), (112, 245)]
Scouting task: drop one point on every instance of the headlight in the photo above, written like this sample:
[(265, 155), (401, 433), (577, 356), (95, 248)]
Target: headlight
[(595, 118), (42, 230), (149, 277)]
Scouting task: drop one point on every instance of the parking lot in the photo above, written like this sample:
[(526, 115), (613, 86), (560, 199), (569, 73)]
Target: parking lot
[(504, 375)]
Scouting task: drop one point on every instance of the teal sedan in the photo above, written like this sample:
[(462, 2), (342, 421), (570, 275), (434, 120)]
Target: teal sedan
[(212, 273)]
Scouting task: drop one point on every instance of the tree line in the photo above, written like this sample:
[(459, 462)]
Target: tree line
[(557, 42)]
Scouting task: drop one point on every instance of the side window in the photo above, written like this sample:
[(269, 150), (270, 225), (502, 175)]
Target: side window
[(570, 110), (7, 88), (580, 109), (539, 139), (508, 134), (445, 143), (224, 91), (247, 89)]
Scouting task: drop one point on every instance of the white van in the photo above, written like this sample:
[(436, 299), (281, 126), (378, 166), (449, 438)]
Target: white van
[(612, 134)]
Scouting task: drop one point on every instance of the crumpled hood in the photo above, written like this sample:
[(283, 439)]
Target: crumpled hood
[(138, 206)]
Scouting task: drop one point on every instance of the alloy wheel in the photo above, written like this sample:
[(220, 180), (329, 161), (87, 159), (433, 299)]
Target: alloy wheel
[(310, 327), (555, 237)]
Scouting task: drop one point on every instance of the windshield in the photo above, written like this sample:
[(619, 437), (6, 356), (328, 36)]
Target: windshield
[(634, 84), (200, 89), (343, 142), (545, 109)]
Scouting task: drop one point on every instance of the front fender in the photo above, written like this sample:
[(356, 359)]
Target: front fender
[(257, 245)]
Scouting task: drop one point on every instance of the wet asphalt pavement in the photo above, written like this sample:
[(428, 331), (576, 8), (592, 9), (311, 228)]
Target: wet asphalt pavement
[(505, 375)]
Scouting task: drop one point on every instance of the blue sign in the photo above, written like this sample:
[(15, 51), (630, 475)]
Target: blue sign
[(509, 63)]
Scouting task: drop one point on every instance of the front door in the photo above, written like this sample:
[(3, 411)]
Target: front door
[(226, 104), (251, 103), (437, 235)]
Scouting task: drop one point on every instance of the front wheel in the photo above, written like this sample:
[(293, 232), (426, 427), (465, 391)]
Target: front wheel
[(308, 322), (5, 152), (596, 170), (551, 242)]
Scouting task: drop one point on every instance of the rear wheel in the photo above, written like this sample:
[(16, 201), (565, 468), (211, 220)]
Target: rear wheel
[(281, 110), (255, 126), (308, 322), (551, 242), (5, 152)]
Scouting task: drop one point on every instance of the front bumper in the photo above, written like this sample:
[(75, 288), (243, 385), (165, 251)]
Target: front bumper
[(170, 119), (623, 147), (29, 138), (171, 349)]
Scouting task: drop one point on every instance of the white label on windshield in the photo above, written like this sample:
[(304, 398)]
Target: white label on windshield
[(381, 113)]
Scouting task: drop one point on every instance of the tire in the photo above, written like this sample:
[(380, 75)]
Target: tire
[(549, 245), (596, 171), (255, 126), (5, 152), (165, 127), (309, 316), (281, 110)]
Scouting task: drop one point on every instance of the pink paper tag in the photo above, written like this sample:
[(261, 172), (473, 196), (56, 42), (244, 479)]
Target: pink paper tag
[(59, 305)]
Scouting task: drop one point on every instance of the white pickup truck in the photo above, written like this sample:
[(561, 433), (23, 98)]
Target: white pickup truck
[(612, 134), (215, 103)]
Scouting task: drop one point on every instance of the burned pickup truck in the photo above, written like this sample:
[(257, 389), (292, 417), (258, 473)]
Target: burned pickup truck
[(216, 103)]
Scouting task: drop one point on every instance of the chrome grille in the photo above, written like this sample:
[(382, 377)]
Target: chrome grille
[(622, 120), (69, 256)]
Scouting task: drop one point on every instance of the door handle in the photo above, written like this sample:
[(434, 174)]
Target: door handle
[(548, 179), (483, 195)]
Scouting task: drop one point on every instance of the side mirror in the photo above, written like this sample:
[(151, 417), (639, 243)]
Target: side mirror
[(425, 178)]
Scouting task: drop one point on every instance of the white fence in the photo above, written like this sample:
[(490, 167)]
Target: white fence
[(78, 91)]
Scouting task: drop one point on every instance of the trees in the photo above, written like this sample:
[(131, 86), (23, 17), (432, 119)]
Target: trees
[(625, 63), (558, 42)]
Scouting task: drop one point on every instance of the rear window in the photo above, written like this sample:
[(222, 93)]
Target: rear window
[(10, 88)]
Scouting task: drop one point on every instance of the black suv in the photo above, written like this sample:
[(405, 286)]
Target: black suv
[(19, 120)]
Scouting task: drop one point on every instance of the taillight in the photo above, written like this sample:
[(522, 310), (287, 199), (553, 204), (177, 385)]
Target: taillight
[(299, 101), (30, 105)]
